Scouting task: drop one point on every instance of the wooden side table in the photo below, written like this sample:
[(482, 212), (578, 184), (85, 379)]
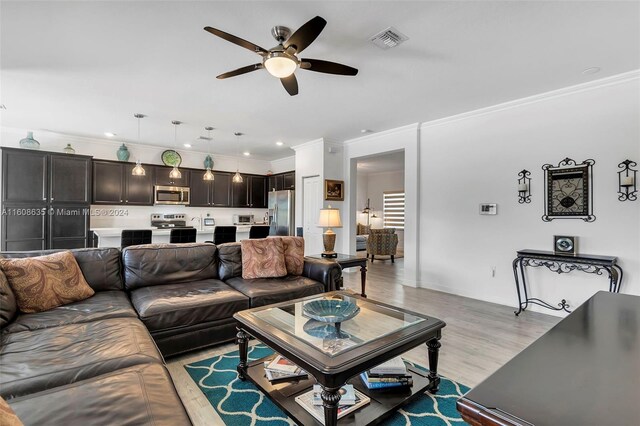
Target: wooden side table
[(348, 261)]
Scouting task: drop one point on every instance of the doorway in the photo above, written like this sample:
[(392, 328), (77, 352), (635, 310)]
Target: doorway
[(311, 205)]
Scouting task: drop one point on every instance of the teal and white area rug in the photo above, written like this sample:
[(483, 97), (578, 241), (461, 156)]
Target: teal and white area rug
[(241, 404)]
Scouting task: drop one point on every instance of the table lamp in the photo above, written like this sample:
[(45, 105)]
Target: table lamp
[(329, 218)]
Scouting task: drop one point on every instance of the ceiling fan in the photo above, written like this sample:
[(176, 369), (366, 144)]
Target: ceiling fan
[(282, 61)]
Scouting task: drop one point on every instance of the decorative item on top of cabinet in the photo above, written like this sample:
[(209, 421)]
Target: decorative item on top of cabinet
[(123, 153), (524, 187), (568, 191), (627, 181), (29, 142)]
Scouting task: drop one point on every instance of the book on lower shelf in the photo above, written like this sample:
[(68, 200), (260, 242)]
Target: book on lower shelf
[(279, 369), (306, 401), (395, 366), (388, 383)]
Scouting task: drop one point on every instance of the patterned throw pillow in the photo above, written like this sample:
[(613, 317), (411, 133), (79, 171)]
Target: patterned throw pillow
[(293, 254), (7, 416), (263, 258), (45, 282)]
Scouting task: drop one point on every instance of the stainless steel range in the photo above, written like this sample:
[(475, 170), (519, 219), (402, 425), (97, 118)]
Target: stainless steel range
[(169, 220)]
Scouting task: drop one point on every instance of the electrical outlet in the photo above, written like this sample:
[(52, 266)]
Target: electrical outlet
[(493, 271)]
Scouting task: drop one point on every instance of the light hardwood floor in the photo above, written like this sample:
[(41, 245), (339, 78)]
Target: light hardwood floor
[(478, 339)]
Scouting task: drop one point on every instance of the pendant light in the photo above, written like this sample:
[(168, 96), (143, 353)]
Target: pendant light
[(208, 175), (138, 170), (237, 178), (175, 172)]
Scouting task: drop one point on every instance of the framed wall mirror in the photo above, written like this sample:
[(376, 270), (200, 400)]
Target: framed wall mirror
[(568, 190)]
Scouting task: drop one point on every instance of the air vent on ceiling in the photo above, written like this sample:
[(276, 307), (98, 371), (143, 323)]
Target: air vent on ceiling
[(388, 38), (205, 138)]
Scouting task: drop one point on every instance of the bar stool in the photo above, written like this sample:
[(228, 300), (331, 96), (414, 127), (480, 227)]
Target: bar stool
[(224, 234), (258, 232), (133, 237), (183, 235)]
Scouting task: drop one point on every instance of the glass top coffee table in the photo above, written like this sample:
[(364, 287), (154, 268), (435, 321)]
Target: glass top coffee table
[(335, 353)]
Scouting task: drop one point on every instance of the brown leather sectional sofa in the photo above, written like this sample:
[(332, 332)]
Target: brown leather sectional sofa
[(100, 361)]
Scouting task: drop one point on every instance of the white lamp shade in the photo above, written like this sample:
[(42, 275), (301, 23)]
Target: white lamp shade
[(329, 218), (280, 66)]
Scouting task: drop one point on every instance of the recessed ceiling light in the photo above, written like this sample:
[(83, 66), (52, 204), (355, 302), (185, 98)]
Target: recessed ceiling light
[(366, 131), (279, 143), (246, 153), (591, 70), (187, 145), (109, 134)]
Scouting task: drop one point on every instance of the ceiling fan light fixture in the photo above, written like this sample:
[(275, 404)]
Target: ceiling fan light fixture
[(280, 64)]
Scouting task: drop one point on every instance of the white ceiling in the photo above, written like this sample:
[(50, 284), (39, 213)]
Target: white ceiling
[(393, 162), (86, 67)]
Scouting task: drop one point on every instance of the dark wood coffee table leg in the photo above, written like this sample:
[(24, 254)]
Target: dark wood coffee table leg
[(434, 349), (363, 279), (330, 400), (243, 345)]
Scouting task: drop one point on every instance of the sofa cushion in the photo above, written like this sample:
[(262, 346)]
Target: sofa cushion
[(102, 305), (263, 258), (101, 267), (8, 306), (230, 258), (180, 305), (8, 417), (155, 264), (265, 291), (293, 254), (138, 395), (34, 361), (45, 282)]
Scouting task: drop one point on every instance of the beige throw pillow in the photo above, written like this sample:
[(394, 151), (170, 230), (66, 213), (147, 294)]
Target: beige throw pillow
[(7, 416), (263, 258), (294, 254), (46, 282)]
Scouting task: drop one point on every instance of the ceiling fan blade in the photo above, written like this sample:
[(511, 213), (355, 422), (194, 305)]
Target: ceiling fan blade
[(306, 34), (237, 40), (327, 67), (290, 84), (239, 71)]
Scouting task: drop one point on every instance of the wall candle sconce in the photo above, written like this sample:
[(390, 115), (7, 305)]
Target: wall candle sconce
[(524, 187), (627, 181)]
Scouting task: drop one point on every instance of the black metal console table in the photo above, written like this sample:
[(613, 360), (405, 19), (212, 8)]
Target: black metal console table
[(562, 263)]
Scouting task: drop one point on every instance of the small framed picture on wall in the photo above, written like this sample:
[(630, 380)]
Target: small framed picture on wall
[(333, 190)]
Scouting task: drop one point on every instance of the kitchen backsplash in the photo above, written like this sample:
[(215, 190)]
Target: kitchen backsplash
[(140, 216)]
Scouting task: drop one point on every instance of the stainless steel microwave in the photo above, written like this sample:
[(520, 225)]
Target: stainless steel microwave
[(243, 219), (171, 195)]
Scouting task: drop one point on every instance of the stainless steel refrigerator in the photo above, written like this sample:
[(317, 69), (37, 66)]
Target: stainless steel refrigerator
[(282, 212)]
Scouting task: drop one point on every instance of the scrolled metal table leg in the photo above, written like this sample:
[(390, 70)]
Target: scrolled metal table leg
[(514, 264)]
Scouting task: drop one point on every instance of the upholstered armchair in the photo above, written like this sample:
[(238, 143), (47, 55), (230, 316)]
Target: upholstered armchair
[(382, 242)]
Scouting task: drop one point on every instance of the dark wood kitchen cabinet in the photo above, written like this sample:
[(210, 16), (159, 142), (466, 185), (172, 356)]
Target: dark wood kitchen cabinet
[(206, 193), (251, 192), (162, 177), (113, 184), (282, 181), (45, 200)]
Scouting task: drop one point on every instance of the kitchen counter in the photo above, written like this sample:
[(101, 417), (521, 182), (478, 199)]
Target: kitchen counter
[(110, 237)]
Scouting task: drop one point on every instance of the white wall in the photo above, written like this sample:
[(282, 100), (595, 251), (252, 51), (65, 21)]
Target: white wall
[(475, 158)]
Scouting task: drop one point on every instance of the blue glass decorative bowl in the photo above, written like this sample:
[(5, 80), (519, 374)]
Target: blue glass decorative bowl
[(331, 310)]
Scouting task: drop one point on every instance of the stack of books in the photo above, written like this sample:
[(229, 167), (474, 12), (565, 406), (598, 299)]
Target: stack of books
[(350, 400), (391, 374), (279, 369)]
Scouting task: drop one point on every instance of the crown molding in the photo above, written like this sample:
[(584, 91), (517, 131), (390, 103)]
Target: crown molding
[(565, 91), (308, 144), (408, 127)]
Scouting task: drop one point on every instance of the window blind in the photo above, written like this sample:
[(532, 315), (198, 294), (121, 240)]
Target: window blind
[(393, 209)]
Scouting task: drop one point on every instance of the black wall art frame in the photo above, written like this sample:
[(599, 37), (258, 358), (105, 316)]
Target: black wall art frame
[(568, 190)]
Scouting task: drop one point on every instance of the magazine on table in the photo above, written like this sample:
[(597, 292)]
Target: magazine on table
[(283, 365), (347, 395), (317, 411)]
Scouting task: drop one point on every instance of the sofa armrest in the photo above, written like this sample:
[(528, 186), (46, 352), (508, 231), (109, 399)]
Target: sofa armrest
[(327, 272)]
